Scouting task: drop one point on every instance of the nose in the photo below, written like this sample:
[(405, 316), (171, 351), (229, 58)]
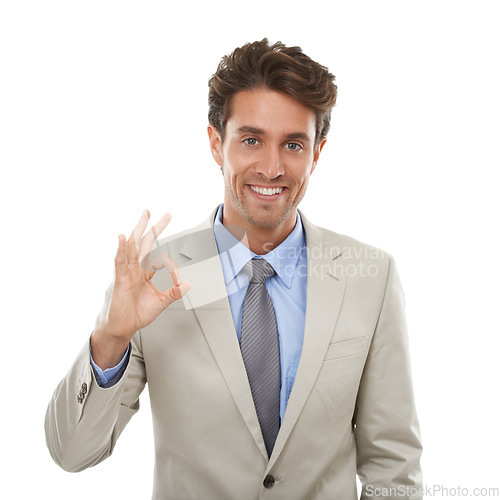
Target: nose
[(271, 163)]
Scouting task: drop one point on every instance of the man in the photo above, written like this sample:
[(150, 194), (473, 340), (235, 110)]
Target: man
[(279, 367)]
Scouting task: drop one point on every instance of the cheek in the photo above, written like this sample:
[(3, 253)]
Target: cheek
[(303, 185), (301, 172), (239, 162), (232, 178), (231, 159)]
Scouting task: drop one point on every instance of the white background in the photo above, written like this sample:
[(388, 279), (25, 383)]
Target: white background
[(103, 113)]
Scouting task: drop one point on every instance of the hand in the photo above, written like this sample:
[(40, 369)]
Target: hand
[(135, 302)]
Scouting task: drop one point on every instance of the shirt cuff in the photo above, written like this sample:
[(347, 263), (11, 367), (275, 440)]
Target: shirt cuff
[(105, 378)]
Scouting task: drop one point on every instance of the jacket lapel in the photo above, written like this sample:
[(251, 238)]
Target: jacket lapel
[(208, 298), (325, 291)]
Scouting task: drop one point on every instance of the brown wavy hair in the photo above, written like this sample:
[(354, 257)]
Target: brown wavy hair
[(275, 67)]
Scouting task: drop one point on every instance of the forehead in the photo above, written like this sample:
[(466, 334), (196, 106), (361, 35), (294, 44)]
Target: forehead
[(270, 111)]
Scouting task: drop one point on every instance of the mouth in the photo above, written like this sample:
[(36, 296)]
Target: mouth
[(267, 192)]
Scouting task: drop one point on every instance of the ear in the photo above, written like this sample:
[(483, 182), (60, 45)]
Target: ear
[(215, 144), (317, 152)]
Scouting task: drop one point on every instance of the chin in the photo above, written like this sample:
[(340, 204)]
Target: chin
[(266, 219)]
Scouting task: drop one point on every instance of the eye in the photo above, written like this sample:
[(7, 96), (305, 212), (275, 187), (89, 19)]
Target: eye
[(293, 146), (251, 141)]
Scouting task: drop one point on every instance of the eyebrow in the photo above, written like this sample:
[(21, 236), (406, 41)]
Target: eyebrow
[(250, 130), (258, 131), (298, 135)]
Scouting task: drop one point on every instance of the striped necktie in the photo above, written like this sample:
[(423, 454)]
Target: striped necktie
[(260, 350)]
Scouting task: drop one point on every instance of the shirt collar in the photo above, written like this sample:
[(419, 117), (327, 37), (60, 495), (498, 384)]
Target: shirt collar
[(234, 254)]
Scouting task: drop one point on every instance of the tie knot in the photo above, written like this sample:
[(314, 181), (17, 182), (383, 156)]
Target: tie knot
[(259, 270)]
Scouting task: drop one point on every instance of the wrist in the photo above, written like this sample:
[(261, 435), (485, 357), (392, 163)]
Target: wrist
[(107, 348)]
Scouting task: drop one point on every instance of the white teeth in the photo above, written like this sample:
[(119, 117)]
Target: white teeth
[(267, 191)]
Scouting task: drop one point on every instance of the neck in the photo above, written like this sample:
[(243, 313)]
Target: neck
[(258, 239)]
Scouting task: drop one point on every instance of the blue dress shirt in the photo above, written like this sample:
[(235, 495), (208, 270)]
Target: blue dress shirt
[(287, 289)]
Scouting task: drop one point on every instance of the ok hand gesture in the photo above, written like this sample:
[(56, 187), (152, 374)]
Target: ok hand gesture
[(135, 302)]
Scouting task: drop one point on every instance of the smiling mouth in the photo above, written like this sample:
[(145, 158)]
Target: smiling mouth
[(266, 191)]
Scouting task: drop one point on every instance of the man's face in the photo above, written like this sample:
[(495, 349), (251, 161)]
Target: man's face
[(267, 157)]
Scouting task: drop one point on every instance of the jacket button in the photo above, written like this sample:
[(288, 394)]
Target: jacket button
[(269, 482), (79, 398), (84, 388)]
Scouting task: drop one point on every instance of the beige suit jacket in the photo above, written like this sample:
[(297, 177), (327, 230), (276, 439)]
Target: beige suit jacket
[(351, 409)]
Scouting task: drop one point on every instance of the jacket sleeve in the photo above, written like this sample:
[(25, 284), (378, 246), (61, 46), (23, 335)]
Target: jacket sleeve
[(83, 420), (385, 424)]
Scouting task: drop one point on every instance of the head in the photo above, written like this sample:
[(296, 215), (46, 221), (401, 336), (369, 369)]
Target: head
[(269, 115), (275, 67)]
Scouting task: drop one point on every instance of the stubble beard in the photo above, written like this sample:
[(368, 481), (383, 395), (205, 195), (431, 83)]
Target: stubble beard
[(256, 219)]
